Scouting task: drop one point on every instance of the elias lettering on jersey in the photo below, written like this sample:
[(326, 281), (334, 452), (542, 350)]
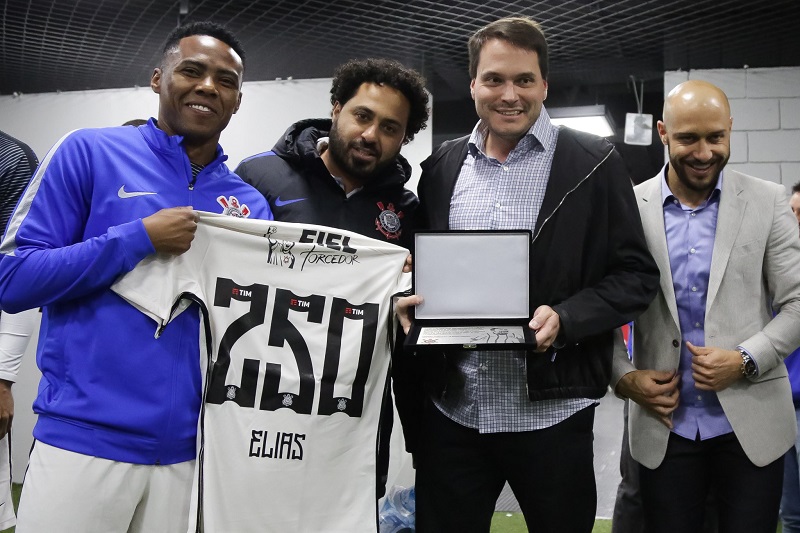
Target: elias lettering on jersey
[(276, 446)]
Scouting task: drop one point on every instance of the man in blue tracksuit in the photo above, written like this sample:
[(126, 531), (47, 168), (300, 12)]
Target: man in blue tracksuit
[(118, 409)]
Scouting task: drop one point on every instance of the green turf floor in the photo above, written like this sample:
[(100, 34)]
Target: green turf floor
[(501, 523), (515, 523)]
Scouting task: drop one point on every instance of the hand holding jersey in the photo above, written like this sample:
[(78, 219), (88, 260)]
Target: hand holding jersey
[(171, 230)]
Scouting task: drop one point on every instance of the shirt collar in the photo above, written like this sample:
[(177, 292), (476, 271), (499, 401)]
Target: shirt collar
[(164, 142), (668, 197), (542, 132)]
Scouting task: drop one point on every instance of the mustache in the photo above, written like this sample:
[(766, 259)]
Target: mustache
[(710, 160), (369, 147)]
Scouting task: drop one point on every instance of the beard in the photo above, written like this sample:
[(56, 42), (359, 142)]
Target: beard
[(356, 169), (704, 185), (681, 167)]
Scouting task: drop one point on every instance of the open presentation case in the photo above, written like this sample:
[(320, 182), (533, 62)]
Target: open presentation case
[(475, 290)]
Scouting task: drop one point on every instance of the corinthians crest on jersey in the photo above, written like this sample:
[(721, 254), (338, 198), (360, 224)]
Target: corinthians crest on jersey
[(388, 221), (231, 207)]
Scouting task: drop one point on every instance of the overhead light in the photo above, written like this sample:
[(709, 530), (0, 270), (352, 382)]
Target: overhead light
[(588, 118)]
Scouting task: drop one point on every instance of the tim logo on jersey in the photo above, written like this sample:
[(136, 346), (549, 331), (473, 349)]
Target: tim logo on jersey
[(231, 207), (388, 221)]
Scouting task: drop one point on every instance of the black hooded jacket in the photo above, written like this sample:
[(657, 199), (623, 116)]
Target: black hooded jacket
[(299, 188)]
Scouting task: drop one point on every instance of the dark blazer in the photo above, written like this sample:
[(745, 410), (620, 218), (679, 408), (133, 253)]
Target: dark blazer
[(590, 263)]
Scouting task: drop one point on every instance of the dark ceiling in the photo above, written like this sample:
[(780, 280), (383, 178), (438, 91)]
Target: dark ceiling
[(596, 45), (49, 45)]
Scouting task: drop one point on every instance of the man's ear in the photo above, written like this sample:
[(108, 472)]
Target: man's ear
[(337, 108), (662, 131), (155, 80), (238, 103)]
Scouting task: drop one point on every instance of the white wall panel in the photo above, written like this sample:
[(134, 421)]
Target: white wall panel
[(790, 174), (777, 146), (738, 146), (790, 113), (732, 81), (765, 171), (755, 114), (773, 82)]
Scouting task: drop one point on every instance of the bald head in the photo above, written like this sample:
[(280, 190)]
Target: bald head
[(696, 129), (695, 95)]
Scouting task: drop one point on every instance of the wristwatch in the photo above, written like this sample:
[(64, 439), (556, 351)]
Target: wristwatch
[(748, 365)]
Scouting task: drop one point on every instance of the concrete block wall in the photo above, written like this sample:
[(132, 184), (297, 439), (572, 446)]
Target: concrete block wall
[(765, 105)]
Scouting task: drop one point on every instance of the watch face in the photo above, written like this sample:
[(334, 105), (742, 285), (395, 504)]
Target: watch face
[(748, 364)]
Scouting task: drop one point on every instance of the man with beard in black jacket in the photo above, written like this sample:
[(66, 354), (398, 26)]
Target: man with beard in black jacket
[(347, 172)]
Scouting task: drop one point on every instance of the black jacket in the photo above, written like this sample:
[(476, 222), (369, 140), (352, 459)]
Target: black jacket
[(299, 188), (589, 262)]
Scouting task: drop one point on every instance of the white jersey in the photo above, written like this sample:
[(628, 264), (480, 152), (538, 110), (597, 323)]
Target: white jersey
[(296, 321)]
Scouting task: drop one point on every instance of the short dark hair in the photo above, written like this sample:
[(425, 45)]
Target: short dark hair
[(211, 29), (350, 76), (521, 32), (796, 187)]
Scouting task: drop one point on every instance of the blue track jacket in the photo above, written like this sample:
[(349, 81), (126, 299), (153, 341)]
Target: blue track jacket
[(110, 389)]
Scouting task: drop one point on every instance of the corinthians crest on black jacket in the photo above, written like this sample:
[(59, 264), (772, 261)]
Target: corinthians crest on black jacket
[(299, 188)]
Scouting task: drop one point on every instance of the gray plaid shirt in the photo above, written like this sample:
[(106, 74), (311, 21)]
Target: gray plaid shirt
[(490, 195)]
